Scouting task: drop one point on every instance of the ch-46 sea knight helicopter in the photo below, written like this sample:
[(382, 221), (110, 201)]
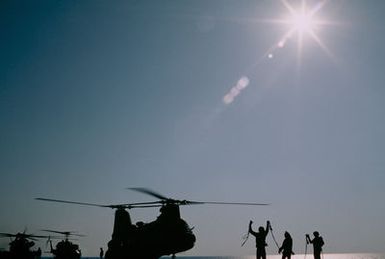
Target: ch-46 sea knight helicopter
[(20, 246), (169, 234), (65, 249)]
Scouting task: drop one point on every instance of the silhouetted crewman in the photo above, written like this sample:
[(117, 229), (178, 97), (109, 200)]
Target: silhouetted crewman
[(317, 242), (101, 254), (38, 253), (287, 246), (260, 239)]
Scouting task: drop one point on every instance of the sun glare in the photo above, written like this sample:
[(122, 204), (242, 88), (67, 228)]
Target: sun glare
[(302, 22)]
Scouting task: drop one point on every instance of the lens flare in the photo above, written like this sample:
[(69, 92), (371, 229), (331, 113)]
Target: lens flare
[(242, 83)]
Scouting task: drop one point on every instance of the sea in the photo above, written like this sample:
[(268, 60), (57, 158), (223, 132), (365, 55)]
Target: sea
[(297, 256)]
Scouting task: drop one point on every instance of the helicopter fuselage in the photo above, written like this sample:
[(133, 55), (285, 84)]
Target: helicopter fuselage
[(168, 234)]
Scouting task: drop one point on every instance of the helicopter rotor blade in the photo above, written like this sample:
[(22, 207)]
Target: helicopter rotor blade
[(7, 235), (52, 231), (22, 235), (163, 199), (188, 202), (112, 206), (148, 206), (149, 192), (66, 233), (227, 203), (136, 204), (162, 202), (73, 202)]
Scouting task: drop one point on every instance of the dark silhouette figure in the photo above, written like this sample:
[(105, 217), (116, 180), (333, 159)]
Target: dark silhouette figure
[(317, 242), (101, 254), (20, 247), (260, 239), (38, 253), (168, 234), (66, 250), (287, 247)]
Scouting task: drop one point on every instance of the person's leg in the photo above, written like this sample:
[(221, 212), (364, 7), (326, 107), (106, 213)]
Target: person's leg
[(263, 254)]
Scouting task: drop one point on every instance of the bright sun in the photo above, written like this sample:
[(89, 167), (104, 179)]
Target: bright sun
[(302, 19), (303, 22)]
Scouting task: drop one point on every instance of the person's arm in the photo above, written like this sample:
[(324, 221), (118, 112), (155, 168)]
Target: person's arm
[(268, 226), (250, 229)]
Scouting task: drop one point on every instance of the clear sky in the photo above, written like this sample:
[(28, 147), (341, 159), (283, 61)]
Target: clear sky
[(97, 96)]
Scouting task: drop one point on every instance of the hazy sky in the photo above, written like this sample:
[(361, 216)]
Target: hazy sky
[(97, 96)]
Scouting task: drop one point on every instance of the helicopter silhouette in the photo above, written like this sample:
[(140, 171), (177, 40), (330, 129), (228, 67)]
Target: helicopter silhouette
[(65, 249), (20, 246), (169, 234)]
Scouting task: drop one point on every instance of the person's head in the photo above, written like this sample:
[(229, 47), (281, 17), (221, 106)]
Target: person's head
[(261, 229), (316, 234), (287, 235)]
